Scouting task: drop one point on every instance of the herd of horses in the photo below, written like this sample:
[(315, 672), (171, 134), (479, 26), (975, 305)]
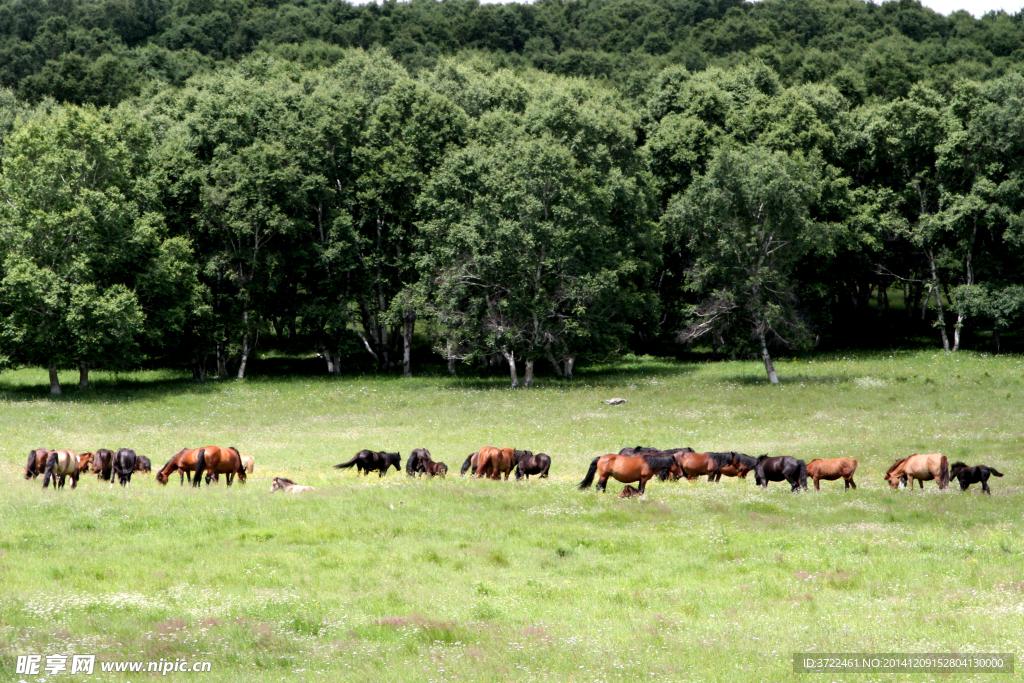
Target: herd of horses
[(641, 464), (59, 465), (638, 465)]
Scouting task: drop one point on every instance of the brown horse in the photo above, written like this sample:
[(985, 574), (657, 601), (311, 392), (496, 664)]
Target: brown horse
[(435, 469), (248, 462), (103, 464), (37, 458), (694, 465), (218, 460), (494, 462), (832, 469), (62, 464), (920, 467), (630, 468), (184, 463)]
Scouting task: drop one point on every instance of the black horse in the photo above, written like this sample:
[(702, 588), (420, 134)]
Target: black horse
[(527, 463), (142, 464), (123, 466), (973, 475), (367, 461), (741, 463), (417, 461), (785, 468), (103, 463)]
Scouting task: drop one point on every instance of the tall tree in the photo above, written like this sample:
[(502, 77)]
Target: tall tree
[(746, 223)]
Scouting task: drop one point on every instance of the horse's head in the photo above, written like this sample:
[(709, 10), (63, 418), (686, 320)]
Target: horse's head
[(956, 467), (276, 485), (396, 460), (84, 461)]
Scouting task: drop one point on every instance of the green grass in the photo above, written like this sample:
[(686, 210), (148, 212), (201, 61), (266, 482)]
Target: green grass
[(413, 580)]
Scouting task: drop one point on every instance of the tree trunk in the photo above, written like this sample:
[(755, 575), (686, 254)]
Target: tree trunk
[(995, 340), (528, 376), (555, 365), (54, 382), (326, 353), (768, 366), (222, 361), (245, 346), (408, 326), (451, 366), (199, 371), (569, 362), (83, 375), (941, 319), (956, 331), (510, 356)]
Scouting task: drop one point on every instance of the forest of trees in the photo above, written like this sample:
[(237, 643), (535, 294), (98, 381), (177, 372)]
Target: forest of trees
[(192, 183)]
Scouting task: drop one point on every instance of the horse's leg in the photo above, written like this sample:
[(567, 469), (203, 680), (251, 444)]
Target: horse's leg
[(817, 486), (643, 483), (602, 483), (984, 486), (74, 481)]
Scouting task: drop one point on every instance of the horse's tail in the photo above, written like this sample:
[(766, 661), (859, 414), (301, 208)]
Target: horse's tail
[(995, 472), (30, 467), (943, 472), (197, 479), (466, 465), (241, 465), (803, 475), (408, 464), (589, 479), (50, 463), (547, 469), (343, 465)]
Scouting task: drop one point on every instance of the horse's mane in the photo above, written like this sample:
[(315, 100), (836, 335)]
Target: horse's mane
[(287, 482), (746, 460), (895, 465), (721, 459), (658, 461), (958, 464)]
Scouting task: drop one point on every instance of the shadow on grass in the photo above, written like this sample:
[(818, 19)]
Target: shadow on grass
[(126, 387)]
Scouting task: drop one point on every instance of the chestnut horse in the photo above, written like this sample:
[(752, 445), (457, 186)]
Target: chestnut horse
[(832, 469), (62, 464), (920, 467), (697, 464), (219, 460), (495, 462), (184, 463), (37, 458), (629, 468)]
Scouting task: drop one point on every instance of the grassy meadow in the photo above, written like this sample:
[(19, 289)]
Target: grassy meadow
[(397, 579)]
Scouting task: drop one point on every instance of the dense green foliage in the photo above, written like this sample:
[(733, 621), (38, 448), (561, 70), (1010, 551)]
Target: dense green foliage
[(190, 181), (402, 579)]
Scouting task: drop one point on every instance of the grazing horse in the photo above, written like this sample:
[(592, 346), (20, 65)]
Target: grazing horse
[(219, 460), (697, 464), (630, 492), (533, 464), (416, 463), (784, 468), (248, 462), (367, 461), (103, 464), (435, 469), (920, 467), (124, 464), (142, 464), (495, 462), (741, 465), (37, 458), (973, 475), (832, 469), (288, 486), (59, 465), (184, 463), (629, 468), (470, 463)]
